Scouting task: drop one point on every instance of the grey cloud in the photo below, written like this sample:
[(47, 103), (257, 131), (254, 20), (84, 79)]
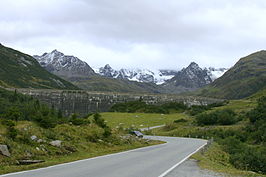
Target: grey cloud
[(165, 33)]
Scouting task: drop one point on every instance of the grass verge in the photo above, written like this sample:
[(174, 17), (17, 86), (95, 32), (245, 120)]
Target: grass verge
[(217, 160)]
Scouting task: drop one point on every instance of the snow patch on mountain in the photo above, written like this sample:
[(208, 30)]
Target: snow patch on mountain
[(215, 73), (139, 75)]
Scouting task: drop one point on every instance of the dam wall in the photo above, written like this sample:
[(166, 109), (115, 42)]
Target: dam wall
[(84, 102)]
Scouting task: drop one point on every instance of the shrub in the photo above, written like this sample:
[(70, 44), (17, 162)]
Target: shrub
[(250, 158), (180, 120), (46, 121), (13, 113), (78, 121), (11, 131), (219, 117), (107, 132), (99, 120), (8, 123)]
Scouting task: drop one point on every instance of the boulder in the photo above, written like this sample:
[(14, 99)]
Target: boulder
[(33, 138), (41, 141), (56, 143), (4, 150)]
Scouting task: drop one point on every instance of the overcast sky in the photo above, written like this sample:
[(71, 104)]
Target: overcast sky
[(137, 33)]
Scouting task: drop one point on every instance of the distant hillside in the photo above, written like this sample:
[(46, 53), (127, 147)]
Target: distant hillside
[(100, 83), (247, 77), (20, 70)]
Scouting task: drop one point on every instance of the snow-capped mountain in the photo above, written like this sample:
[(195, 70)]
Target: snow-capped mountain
[(140, 75), (65, 66), (73, 69), (191, 77), (161, 76)]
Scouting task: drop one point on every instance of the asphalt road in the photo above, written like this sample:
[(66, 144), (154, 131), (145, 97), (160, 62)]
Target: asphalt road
[(153, 161)]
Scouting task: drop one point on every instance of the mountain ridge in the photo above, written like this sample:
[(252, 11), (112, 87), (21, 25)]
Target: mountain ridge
[(245, 78), (20, 70), (65, 66), (151, 76)]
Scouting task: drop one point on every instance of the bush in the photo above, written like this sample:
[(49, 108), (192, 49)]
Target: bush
[(46, 122), (107, 132), (13, 113), (101, 123), (259, 113), (257, 126), (78, 121), (219, 117), (180, 120), (8, 123), (250, 158), (99, 120), (11, 131)]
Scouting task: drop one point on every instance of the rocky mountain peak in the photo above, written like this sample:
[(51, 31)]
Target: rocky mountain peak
[(108, 67), (64, 65), (107, 71), (191, 77), (193, 66)]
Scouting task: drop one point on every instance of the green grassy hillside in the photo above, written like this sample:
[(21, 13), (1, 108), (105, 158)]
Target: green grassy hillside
[(23, 71), (247, 77)]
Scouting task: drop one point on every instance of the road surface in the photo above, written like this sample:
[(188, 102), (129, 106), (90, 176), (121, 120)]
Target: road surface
[(153, 161)]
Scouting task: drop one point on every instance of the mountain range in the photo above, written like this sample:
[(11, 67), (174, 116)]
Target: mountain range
[(246, 77), (73, 69), (154, 76), (139, 75)]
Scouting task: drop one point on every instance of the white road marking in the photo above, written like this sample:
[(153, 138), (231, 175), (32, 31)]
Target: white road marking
[(173, 167)]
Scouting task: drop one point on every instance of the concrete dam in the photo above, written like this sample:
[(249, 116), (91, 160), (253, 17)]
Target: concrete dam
[(84, 102)]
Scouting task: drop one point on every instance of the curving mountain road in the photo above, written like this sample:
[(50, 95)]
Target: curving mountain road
[(153, 161)]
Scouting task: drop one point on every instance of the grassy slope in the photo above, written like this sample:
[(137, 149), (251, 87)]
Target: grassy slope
[(23, 71), (78, 142), (217, 160), (244, 79)]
